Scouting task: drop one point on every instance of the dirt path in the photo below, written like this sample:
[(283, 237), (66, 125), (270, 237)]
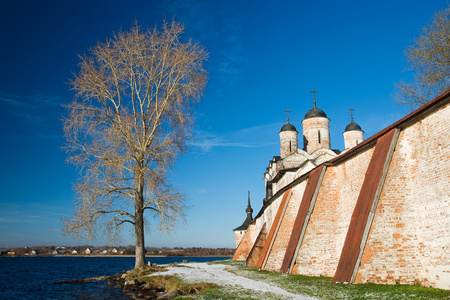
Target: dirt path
[(216, 273)]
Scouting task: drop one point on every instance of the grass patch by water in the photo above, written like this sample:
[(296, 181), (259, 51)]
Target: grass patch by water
[(324, 288)]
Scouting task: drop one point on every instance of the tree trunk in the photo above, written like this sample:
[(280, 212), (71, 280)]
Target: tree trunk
[(139, 229), (140, 244)]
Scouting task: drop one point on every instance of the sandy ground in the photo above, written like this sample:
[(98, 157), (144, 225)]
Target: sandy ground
[(216, 273)]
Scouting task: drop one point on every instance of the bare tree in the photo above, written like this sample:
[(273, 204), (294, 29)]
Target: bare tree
[(128, 123), (429, 58)]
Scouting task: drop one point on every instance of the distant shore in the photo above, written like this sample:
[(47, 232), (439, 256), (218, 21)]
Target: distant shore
[(110, 255), (109, 251), (104, 255)]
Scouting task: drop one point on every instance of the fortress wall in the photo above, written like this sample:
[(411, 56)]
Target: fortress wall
[(238, 236), (258, 248), (246, 244), (286, 179), (269, 215), (327, 228), (278, 250), (409, 240)]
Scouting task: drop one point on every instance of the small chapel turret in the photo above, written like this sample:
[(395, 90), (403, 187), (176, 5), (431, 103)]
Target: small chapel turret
[(288, 138), (316, 129), (353, 134), (240, 231)]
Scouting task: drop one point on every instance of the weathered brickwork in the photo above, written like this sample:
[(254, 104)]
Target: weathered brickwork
[(325, 235), (255, 252), (353, 138), (278, 250), (409, 240), (246, 244), (316, 134), (288, 142), (268, 215), (238, 236), (258, 227)]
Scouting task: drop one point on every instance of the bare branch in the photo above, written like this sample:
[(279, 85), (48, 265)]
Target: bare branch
[(127, 125), (429, 59)]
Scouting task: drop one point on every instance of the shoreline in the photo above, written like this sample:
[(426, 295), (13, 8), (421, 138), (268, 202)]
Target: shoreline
[(110, 255)]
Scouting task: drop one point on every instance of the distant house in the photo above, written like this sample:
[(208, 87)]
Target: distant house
[(115, 250), (56, 252), (11, 252), (88, 251), (74, 252), (105, 251), (35, 252)]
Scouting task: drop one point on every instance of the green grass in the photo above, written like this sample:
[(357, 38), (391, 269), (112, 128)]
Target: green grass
[(319, 287), (324, 288)]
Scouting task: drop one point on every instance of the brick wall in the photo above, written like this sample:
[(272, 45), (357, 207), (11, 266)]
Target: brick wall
[(288, 142), (246, 244), (269, 215), (278, 250), (238, 236), (324, 237), (409, 240), (255, 252)]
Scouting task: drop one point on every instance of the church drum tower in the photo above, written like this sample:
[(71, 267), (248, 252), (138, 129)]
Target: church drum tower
[(316, 129)]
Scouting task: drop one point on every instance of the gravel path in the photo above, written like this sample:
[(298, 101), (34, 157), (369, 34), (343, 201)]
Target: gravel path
[(216, 273)]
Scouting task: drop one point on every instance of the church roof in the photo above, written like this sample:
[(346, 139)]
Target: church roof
[(288, 127), (353, 126), (315, 113), (244, 225)]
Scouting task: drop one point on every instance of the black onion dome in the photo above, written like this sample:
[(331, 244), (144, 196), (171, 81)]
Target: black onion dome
[(315, 113), (352, 126), (288, 127)]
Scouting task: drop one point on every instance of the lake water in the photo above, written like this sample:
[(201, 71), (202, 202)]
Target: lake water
[(33, 277)]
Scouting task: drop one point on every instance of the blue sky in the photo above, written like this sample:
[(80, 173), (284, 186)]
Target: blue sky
[(265, 57)]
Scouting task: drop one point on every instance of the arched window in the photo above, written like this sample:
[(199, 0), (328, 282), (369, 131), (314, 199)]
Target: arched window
[(319, 137), (290, 146)]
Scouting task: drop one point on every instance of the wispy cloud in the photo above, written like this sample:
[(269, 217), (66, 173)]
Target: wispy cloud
[(201, 191), (39, 114), (250, 137), (10, 101), (231, 57), (35, 213), (31, 101)]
